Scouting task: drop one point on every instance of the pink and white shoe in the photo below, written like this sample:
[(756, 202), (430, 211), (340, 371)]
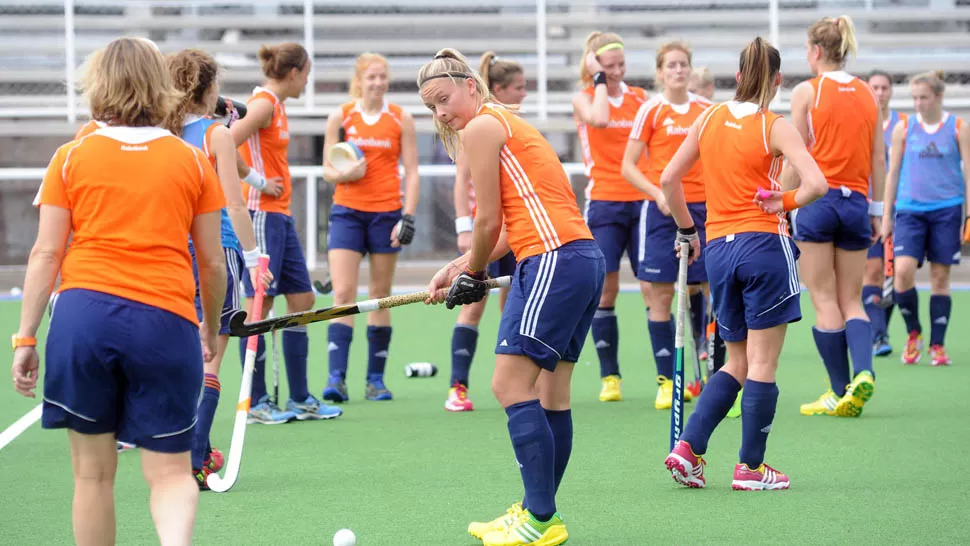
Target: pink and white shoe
[(458, 399), (938, 356), (763, 478), (686, 468)]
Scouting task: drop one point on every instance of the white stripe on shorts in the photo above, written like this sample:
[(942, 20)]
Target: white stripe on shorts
[(537, 297)]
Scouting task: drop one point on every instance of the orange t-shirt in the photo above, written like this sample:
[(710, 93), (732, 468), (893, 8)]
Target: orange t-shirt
[(133, 193), (380, 139), (663, 127), (841, 128), (538, 202), (266, 152), (603, 149), (88, 128), (737, 160)]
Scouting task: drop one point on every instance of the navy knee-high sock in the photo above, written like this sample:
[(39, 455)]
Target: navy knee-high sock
[(296, 348), (378, 343), (758, 405), (939, 318), (834, 351), (561, 424), (606, 337), (662, 341), (858, 338), (203, 425), (534, 448), (908, 303), (259, 370), (889, 314), (711, 408), (339, 337), (871, 296), (697, 321), (464, 341)]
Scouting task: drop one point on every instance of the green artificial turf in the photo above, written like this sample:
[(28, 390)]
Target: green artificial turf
[(408, 472)]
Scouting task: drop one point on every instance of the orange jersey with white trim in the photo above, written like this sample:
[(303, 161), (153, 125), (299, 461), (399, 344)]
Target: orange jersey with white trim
[(380, 139), (88, 128), (133, 194), (266, 152), (663, 127), (538, 202), (603, 149), (841, 128), (735, 151)]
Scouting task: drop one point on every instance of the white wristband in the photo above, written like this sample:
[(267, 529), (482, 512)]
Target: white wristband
[(463, 224), (255, 179), (876, 208), (251, 257)]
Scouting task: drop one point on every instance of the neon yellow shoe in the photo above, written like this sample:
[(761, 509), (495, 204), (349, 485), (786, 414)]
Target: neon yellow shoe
[(735, 410), (528, 531), (825, 405), (665, 393), (479, 529), (856, 396), (611, 389)]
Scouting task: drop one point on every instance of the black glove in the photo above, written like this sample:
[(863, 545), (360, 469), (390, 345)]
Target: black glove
[(687, 235), (405, 229), (469, 287)]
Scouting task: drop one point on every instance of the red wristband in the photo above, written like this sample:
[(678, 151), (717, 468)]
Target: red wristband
[(473, 274), (788, 200)]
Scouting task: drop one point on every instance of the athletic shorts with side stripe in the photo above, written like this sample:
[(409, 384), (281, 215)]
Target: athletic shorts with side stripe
[(551, 304), (754, 281), (235, 269), (113, 365), (276, 236), (618, 228)]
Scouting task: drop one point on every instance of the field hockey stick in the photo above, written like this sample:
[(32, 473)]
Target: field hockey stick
[(677, 406), (698, 384), (276, 364), (238, 327), (888, 294), (323, 288), (215, 483)]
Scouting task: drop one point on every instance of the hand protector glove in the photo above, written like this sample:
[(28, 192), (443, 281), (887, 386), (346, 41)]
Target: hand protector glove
[(687, 236), (469, 287), (405, 229)]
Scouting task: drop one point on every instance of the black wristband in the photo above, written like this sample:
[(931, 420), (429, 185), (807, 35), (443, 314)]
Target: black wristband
[(599, 78), (687, 231)]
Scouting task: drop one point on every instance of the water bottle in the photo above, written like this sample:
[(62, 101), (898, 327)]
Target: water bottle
[(421, 369)]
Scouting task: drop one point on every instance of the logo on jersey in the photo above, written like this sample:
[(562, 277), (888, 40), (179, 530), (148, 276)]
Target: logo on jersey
[(371, 142), (352, 130), (846, 89), (732, 125), (930, 151), (620, 124), (132, 148)]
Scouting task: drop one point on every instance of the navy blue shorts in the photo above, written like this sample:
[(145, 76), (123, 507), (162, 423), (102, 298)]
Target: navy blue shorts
[(363, 232), (235, 268), (658, 254), (754, 282), (551, 304), (840, 217), (617, 227), (276, 236), (502, 266), (876, 251), (933, 235), (115, 365)]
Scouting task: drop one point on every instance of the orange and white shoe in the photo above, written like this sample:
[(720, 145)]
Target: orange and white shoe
[(914, 348), (938, 356), (458, 399), (686, 468), (763, 478)]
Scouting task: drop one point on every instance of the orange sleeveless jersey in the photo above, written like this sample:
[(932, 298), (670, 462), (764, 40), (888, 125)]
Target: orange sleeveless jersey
[(841, 128), (663, 127), (737, 160), (141, 252), (266, 151), (603, 149), (380, 189), (538, 202)]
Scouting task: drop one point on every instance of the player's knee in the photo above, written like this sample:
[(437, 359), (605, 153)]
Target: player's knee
[(662, 296), (611, 286), (296, 303), (507, 391), (161, 469), (939, 279)]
